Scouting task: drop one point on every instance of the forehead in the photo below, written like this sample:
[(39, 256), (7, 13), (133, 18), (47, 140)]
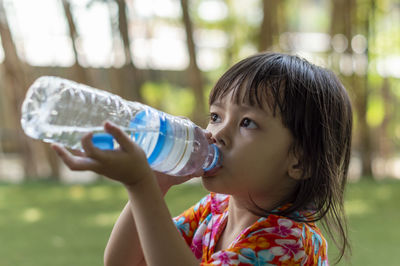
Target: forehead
[(227, 104), (246, 95)]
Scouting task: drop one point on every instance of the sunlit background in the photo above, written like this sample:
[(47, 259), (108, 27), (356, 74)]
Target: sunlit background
[(168, 54), (359, 40), (159, 40), (41, 34)]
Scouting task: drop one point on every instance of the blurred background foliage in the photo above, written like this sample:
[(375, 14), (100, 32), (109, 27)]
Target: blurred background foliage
[(168, 54)]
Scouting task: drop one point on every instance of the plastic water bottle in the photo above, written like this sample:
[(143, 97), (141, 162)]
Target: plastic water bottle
[(61, 111)]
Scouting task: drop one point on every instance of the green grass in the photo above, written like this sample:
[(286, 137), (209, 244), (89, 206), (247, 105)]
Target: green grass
[(45, 223), (373, 209)]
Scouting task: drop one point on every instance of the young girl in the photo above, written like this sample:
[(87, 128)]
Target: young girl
[(283, 127)]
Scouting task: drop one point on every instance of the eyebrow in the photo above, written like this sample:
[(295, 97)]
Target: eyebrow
[(244, 107)]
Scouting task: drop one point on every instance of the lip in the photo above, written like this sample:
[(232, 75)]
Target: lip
[(212, 172)]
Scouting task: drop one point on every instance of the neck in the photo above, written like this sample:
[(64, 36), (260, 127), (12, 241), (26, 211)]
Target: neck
[(239, 214), (240, 217), (242, 210)]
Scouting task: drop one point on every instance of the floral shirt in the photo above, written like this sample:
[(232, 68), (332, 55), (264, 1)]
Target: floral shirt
[(271, 240)]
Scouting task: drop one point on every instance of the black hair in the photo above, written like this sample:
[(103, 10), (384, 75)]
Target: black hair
[(314, 105)]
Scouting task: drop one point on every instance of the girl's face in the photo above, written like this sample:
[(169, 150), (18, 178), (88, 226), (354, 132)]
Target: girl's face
[(255, 150)]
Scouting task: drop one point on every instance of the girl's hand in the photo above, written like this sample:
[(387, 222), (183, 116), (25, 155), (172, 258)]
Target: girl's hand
[(128, 164)]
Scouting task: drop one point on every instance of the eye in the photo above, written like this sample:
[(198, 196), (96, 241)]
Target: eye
[(248, 123), (214, 117)]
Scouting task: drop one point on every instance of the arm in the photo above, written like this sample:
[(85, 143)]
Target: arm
[(125, 244), (161, 242), (145, 223), (123, 247)]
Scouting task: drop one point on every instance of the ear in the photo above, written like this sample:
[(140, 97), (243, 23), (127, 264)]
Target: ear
[(295, 168)]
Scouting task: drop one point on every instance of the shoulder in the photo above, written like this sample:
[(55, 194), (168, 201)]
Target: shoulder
[(279, 240), (315, 245), (195, 222), (218, 203)]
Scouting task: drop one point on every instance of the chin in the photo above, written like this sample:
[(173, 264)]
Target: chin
[(213, 172), (212, 184)]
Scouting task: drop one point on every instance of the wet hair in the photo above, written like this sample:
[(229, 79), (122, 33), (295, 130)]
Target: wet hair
[(314, 105)]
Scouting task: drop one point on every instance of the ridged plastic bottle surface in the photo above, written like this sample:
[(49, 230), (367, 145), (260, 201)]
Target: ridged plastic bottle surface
[(61, 111)]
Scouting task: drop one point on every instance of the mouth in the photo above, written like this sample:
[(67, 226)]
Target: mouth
[(212, 172)]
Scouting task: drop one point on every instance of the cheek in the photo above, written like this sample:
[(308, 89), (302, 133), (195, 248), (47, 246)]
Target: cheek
[(261, 163)]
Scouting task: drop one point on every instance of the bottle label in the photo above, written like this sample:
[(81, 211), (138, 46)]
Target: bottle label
[(144, 130), (183, 146), (169, 142)]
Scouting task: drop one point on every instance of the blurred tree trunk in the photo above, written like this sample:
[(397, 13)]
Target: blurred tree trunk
[(269, 31), (234, 27), (343, 18), (116, 80), (385, 147), (361, 93), (133, 81), (344, 21), (80, 72), (14, 86), (127, 80), (123, 29), (195, 75), (367, 24)]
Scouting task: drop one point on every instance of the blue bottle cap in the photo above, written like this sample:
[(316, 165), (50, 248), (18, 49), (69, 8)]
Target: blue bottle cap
[(103, 141)]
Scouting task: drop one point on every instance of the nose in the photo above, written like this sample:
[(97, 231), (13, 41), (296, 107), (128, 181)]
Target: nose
[(222, 135)]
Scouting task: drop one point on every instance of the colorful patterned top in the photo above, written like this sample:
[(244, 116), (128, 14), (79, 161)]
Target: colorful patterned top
[(272, 240)]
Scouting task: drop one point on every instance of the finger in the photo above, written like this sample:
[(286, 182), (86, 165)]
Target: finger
[(57, 148), (77, 152), (120, 136), (73, 162), (90, 150)]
